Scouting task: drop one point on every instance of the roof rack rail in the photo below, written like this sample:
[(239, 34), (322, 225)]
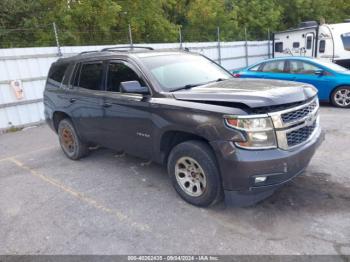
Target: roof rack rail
[(115, 48), (87, 52)]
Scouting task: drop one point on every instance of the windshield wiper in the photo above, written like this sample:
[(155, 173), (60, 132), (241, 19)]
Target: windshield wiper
[(189, 86)]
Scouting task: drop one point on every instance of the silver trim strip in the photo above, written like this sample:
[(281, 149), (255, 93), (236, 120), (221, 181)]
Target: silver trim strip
[(277, 116)]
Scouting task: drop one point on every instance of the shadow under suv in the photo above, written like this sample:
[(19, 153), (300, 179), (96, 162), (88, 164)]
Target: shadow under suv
[(218, 136)]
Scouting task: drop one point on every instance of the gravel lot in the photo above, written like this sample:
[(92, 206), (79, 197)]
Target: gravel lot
[(109, 204)]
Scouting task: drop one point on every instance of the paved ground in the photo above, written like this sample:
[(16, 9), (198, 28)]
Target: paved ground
[(109, 205)]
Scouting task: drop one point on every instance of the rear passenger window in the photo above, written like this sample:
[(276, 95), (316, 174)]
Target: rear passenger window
[(119, 72), (274, 67), (57, 72), (90, 76)]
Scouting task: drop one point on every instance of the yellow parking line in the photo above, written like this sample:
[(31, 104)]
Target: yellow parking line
[(119, 215)]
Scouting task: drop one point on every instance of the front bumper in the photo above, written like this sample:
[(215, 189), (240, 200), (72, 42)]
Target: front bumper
[(240, 167)]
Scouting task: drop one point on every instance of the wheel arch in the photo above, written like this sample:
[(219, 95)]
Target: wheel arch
[(170, 138), (57, 116)]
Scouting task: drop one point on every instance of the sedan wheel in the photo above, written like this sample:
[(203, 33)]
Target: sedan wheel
[(341, 97)]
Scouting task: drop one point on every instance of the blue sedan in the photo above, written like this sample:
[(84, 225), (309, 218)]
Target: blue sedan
[(331, 80)]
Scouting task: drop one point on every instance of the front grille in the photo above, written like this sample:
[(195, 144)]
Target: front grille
[(299, 114), (294, 126), (300, 135)]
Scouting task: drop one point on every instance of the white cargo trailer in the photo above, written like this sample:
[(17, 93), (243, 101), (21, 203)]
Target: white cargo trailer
[(323, 41)]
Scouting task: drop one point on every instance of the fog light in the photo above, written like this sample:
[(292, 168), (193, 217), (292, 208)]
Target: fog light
[(260, 179)]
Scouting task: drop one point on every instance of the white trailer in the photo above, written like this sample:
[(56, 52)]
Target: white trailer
[(323, 41)]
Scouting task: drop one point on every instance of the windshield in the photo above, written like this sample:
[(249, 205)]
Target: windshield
[(178, 71), (332, 66)]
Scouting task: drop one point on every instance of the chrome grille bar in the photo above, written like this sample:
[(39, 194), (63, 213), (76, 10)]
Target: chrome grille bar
[(305, 115)]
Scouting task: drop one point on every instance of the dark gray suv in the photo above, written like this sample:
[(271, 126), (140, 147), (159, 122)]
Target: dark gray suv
[(218, 136)]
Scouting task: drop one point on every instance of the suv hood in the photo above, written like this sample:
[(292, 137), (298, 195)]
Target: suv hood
[(251, 92)]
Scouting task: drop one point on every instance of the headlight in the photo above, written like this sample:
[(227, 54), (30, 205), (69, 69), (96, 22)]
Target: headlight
[(259, 131)]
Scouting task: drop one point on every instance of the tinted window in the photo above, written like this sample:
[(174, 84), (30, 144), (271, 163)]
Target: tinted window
[(75, 78), (309, 42), (279, 47), (296, 45), (90, 76), (322, 47), (57, 72), (299, 67), (346, 41), (117, 73), (274, 67)]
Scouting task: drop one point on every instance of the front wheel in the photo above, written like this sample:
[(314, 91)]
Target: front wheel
[(194, 173), (341, 97), (70, 143)]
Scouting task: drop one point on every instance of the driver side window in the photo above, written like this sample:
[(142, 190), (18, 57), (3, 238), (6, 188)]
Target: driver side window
[(118, 73)]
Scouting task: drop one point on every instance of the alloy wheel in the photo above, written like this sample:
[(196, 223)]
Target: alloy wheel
[(190, 176), (342, 97)]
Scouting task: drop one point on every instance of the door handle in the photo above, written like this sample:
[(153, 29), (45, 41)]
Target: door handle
[(72, 100), (107, 105)]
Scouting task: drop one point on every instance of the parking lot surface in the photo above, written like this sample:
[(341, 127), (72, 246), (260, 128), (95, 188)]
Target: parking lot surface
[(116, 204)]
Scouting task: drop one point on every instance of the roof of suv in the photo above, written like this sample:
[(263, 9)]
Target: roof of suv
[(139, 52)]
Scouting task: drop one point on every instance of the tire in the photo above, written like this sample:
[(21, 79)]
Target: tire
[(71, 144), (341, 97), (199, 181)]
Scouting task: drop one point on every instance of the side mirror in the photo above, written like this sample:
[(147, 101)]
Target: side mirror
[(319, 72), (133, 87)]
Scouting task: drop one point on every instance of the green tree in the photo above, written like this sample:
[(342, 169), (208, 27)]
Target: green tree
[(82, 22), (147, 20), (296, 11), (257, 17), (203, 18)]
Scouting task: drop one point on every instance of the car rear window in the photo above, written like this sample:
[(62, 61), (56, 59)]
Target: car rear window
[(57, 72)]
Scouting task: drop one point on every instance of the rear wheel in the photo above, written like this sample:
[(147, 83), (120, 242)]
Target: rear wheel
[(194, 173), (341, 97), (70, 143)]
